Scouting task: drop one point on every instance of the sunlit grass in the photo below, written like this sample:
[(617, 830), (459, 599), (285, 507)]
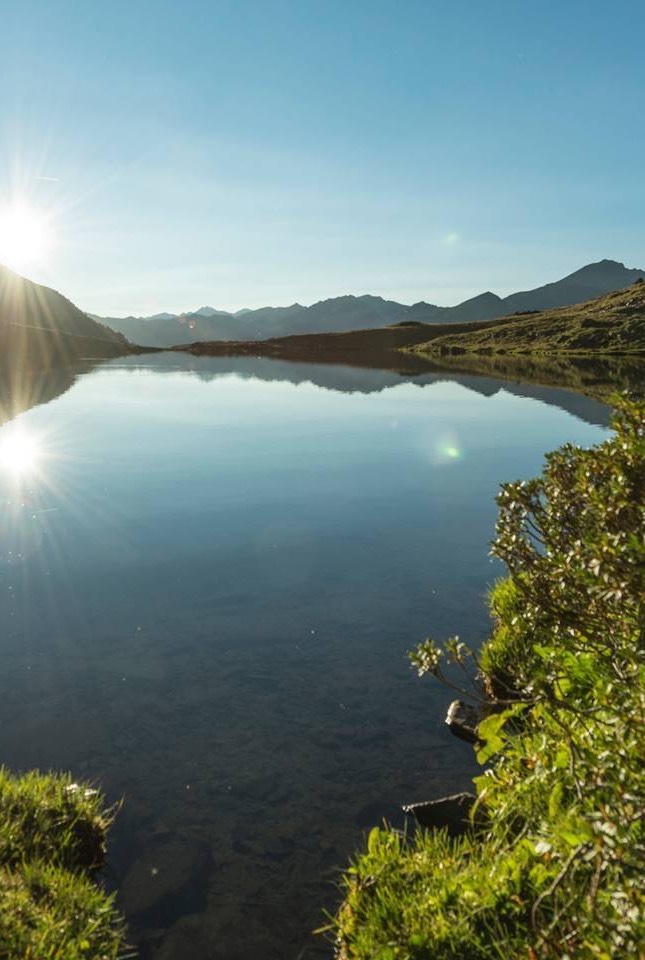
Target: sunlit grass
[(52, 840)]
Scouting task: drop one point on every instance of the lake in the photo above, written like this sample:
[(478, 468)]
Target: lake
[(211, 572)]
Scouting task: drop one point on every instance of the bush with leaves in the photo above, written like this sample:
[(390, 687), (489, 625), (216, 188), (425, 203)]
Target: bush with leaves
[(557, 871)]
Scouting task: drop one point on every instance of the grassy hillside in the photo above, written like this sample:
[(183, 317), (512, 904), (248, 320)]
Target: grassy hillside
[(611, 324)]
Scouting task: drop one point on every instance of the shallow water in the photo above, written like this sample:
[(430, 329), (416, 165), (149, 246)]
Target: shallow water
[(211, 572)]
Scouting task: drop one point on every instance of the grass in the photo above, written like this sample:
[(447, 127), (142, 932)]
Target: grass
[(52, 842), (610, 325), (557, 870), (47, 913)]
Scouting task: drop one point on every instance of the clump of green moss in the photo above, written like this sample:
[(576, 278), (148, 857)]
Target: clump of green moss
[(52, 841), (557, 871)]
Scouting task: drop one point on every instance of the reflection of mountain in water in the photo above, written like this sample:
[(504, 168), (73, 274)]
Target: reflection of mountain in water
[(20, 390), (366, 380), (564, 386)]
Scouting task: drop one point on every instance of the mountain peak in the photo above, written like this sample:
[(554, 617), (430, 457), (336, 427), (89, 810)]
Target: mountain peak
[(487, 296), (601, 266)]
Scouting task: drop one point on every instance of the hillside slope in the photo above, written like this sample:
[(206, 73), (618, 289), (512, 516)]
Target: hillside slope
[(611, 324), (41, 329)]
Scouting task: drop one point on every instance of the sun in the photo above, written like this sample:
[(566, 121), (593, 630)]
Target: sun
[(25, 237)]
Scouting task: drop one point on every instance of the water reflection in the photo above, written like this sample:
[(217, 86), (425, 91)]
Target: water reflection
[(22, 388), (558, 385), (20, 453), (207, 603)]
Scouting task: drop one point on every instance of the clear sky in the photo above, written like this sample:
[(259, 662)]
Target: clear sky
[(250, 152)]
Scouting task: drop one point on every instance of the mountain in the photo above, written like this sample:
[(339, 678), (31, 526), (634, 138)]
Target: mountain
[(345, 313), (591, 281), (210, 312), (338, 314), (40, 329)]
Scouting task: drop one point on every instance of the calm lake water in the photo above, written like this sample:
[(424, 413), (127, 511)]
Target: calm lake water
[(211, 571)]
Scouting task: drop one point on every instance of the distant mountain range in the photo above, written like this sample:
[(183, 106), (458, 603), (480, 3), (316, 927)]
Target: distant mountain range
[(341, 314), (40, 329)]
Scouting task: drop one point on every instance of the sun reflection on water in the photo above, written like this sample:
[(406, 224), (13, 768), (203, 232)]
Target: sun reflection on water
[(20, 453)]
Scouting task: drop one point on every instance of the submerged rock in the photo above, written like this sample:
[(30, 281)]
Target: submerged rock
[(462, 720), (189, 937), (449, 813), (170, 867)]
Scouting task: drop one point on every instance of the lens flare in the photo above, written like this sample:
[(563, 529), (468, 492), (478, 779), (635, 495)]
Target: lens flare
[(447, 449)]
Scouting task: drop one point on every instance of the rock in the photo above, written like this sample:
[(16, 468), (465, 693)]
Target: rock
[(462, 720), (451, 813), (169, 868), (190, 937)]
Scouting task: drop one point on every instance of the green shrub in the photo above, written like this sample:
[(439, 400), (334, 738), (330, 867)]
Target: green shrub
[(507, 657), (557, 872)]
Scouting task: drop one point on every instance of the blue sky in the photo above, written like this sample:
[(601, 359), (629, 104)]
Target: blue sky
[(250, 152)]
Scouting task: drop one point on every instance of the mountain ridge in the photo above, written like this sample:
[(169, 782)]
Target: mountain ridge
[(366, 311)]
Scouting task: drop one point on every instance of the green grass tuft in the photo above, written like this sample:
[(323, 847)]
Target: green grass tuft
[(47, 913), (50, 817), (52, 841)]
